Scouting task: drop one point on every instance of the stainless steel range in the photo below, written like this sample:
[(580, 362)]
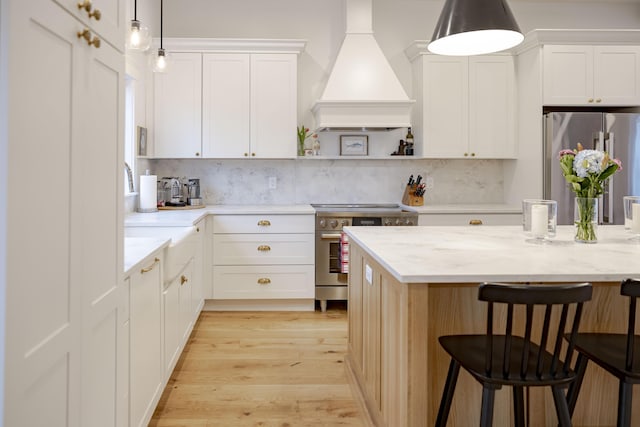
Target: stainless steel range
[(331, 283)]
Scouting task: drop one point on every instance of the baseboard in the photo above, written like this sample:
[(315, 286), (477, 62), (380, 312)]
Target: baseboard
[(260, 305)]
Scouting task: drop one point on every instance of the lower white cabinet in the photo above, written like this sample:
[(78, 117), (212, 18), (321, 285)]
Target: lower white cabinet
[(178, 316), (263, 257), (146, 373), (470, 219)]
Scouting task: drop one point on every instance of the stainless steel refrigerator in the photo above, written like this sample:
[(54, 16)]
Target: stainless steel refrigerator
[(616, 133)]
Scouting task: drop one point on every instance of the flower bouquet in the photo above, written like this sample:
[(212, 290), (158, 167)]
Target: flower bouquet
[(303, 134), (586, 171)]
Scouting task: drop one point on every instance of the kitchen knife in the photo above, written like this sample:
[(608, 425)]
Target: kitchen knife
[(418, 179), (410, 180)]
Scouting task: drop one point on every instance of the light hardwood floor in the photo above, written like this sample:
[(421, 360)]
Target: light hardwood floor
[(262, 369)]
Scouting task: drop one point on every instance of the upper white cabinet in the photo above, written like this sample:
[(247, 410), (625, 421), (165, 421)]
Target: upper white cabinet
[(178, 107), (588, 75), (216, 101), (465, 106), (105, 17)]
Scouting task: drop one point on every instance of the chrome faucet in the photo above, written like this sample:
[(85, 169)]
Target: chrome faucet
[(129, 177)]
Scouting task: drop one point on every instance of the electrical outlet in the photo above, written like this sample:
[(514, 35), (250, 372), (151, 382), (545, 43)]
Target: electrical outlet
[(273, 183), (429, 183)]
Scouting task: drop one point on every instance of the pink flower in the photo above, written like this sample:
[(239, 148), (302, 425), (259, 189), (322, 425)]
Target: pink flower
[(617, 162), (563, 153)]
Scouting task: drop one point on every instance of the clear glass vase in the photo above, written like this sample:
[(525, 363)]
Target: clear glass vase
[(586, 219)]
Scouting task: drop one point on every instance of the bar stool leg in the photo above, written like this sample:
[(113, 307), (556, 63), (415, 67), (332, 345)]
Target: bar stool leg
[(625, 398), (488, 397), (574, 388), (562, 409), (447, 394), (518, 405)]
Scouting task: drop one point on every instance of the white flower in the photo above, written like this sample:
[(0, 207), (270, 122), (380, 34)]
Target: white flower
[(588, 162)]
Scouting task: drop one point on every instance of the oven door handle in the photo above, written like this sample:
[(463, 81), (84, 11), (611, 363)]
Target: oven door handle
[(331, 236)]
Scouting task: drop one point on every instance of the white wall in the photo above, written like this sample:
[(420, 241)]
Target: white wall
[(4, 158)]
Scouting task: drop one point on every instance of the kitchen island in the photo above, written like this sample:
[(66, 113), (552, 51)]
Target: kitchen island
[(410, 285)]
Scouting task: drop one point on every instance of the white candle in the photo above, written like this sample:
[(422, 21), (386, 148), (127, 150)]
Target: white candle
[(635, 218), (539, 220)]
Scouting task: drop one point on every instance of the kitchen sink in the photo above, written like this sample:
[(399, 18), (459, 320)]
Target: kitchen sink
[(179, 252)]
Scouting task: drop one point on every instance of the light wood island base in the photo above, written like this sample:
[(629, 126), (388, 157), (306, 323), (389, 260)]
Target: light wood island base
[(399, 367)]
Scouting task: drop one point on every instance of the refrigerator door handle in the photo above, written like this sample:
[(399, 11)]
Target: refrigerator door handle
[(607, 197)]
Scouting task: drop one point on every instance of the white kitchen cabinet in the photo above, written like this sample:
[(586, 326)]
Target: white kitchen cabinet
[(146, 370), (200, 273), (105, 17), (262, 257), (178, 316), (470, 219), (587, 75), (249, 105), (62, 364), (178, 108), (465, 106)]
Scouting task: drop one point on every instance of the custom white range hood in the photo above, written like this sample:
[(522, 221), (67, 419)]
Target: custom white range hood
[(363, 92)]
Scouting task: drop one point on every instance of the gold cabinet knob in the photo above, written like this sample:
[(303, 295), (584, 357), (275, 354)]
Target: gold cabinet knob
[(95, 41), (264, 223), (197, 154), (475, 222), (598, 100), (95, 14), (253, 154), (183, 280), (84, 34), (264, 248), (197, 229), (246, 154), (473, 154), (85, 4), (466, 154), (264, 281), (590, 100)]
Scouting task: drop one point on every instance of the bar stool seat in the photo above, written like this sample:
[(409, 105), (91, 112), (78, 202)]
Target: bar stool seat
[(499, 359), (618, 354)]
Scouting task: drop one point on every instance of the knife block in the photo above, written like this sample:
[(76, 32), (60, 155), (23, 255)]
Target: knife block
[(409, 197)]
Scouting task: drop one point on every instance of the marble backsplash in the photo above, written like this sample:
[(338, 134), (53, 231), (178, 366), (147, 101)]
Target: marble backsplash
[(246, 181)]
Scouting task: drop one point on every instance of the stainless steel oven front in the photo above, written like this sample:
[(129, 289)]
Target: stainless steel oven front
[(331, 283)]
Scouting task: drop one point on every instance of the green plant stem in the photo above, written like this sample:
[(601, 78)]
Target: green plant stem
[(585, 226)]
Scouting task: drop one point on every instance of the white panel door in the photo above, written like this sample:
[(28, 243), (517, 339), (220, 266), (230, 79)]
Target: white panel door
[(616, 75), (99, 160), (178, 108), (43, 263), (225, 105), (568, 75), (446, 105), (273, 105), (492, 107)]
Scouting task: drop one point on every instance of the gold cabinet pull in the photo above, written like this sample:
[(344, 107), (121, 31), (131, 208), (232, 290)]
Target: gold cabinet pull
[(253, 154), (85, 4), (84, 34), (183, 280), (197, 154), (95, 41), (264, 223), (598, 100), (473, 154), (264, 248), (95, 14), (197, 229), (475, 222), (590, 100), (148, 269), (246, 154), (264, 281), (466, 154)]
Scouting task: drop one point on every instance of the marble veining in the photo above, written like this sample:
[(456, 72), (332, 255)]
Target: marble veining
[(497, 253)]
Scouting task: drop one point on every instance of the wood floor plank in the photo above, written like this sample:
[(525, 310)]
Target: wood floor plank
[(280, 369)]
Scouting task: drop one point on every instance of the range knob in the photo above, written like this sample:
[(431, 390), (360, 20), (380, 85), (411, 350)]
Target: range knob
[(398, 221), (345, 222), (408, 222), (333, 223), (387, 222), (323, 223)]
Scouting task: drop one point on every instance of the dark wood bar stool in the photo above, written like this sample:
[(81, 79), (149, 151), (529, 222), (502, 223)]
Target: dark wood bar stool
[(496, 360), (619, 354)]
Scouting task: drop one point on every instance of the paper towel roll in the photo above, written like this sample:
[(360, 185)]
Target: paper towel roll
[(148, 193)]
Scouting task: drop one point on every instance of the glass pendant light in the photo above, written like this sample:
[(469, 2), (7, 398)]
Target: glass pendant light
[(138, 38), (160, 65), (475, 27)]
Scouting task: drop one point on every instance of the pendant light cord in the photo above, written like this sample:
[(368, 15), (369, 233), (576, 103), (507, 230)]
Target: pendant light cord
[(135, 10), (161, 2)]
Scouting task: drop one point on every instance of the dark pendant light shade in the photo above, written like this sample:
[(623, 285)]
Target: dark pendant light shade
[(475, 27)]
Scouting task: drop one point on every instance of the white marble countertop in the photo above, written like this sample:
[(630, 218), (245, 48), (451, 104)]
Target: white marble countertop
[(188, 217), (138, 249), (479, 208), (499, 253)]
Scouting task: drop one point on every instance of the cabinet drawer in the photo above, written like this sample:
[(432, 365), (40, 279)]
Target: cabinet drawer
[(467, 219), (263, 224), (264, 282), (252, 249)]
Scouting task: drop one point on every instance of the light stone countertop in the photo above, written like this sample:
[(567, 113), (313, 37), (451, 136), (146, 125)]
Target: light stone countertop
[(188, 217), (466, 208), (467, 254), (138, 249)]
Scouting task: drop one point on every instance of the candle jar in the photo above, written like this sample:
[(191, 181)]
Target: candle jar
[(632, 215), (539, 218)]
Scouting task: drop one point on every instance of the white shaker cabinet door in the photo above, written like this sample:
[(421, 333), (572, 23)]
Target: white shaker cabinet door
[(568, 74), (225, 105), (178, 107), (616, 75), (273, 105)]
